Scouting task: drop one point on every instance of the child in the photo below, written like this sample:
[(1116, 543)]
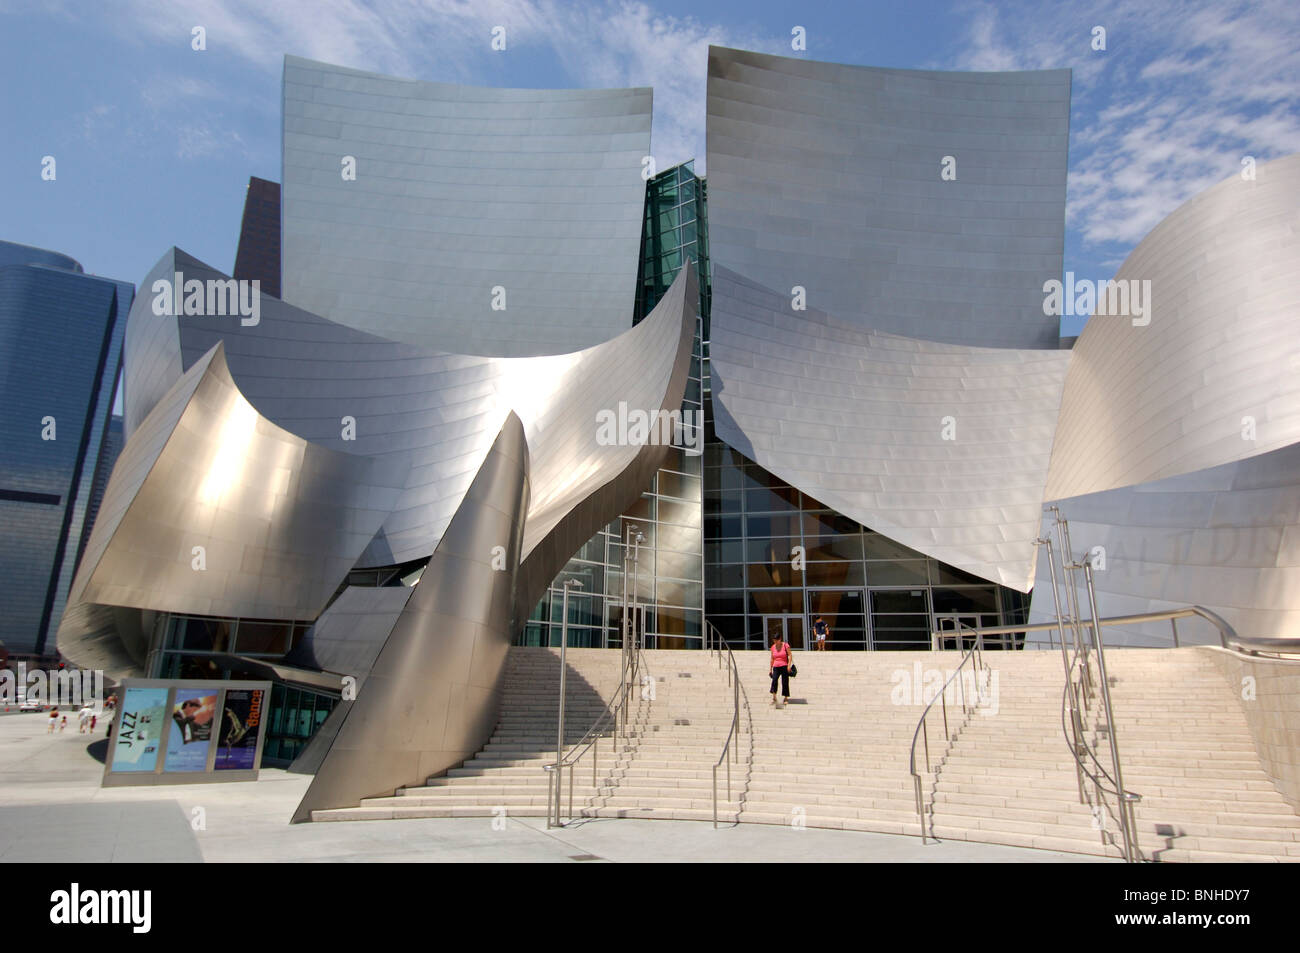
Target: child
[(63, 724), (54, 717)]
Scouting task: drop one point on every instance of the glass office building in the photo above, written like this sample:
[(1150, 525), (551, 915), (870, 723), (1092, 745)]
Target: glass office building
[(57, 324)]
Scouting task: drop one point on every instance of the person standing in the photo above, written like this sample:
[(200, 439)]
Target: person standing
[(780, 669), (54, 720), (83, 719), (821, 630)]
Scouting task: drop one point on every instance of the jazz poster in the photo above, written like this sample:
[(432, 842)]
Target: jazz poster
[(138, 737)]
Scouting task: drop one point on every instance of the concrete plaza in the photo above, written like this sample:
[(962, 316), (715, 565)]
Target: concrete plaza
[(53, 810)]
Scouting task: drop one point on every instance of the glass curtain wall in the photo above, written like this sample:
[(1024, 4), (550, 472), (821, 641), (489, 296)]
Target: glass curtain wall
[(668, 583), (775, 559)]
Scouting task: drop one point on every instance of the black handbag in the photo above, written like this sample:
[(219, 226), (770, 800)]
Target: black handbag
[(793, 670)]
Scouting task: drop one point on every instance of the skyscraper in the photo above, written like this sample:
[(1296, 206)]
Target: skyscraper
[(61, 336)]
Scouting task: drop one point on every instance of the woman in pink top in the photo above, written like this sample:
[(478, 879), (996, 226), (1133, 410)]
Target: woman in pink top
[(780, 668)]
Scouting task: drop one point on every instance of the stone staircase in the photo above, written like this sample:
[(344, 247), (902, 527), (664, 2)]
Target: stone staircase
[(837, 755), (1185, 748), (678, 720)]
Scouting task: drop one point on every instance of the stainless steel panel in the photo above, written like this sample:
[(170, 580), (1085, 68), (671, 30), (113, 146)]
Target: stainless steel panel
[(828, 177), (858, 419), (411, 719), (1170, 397), (459, 190)]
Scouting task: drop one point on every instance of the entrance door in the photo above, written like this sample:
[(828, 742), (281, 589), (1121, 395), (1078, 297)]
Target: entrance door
[(900, 619), (841, 609), (787, 625), (943, 621)]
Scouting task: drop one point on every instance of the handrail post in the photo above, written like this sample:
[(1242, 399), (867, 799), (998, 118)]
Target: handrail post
[(550, 790), (1074, 598), (1130, 845), (1173, 622), (920, 808), (728, 760), (1071, 697), (715, 797)]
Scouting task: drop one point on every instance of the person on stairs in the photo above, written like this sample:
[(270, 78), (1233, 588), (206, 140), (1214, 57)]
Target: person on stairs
[(821, 630), (780, 668)]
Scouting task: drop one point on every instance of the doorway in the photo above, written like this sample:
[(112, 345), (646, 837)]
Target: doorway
[(973, 620), (786, 625)]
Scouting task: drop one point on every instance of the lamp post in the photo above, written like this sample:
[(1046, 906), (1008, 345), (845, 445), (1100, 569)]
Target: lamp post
[(559, 735)]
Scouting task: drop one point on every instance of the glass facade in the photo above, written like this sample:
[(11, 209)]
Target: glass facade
[(775, 559), (668, 579), (199, 646), (56, 324), (296, 714)]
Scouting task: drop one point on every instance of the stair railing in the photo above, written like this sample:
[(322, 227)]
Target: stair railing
[(716, 644), (1080, 683), (974, 658), (612, 721)]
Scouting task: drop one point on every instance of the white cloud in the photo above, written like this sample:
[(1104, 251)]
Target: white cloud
[(1180, 95), (610, 43)]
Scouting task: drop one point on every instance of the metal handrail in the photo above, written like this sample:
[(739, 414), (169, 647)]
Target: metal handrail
[(1126, 801), (716, 646), (614, 708), (1227, 634), (974, 655), (1077, 699)]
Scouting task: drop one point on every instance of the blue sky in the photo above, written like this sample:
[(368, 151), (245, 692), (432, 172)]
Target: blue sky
[(154, 142)]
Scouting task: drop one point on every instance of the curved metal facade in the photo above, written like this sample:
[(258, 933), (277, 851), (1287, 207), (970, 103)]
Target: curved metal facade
[(941, 447), (828, 177), (432, 696), (1173, 396), (213, 509), (437, 412), (1226, 538), (460, 190), (277, 547)]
